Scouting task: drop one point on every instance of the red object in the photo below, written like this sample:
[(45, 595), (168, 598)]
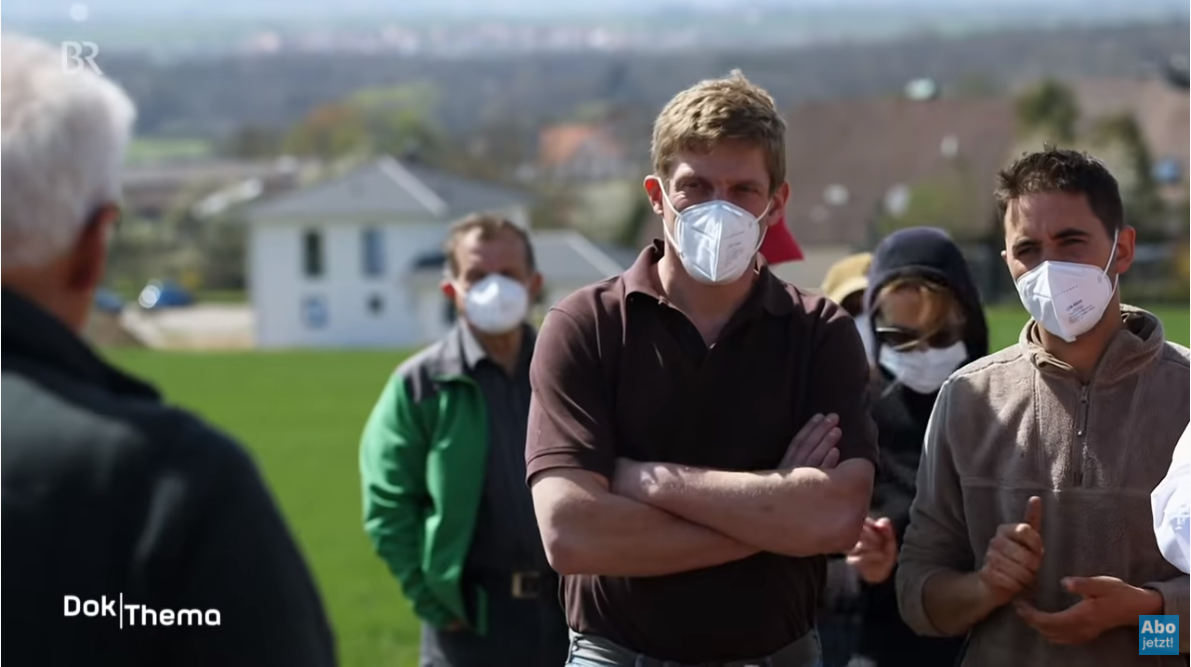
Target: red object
[(779, 244)]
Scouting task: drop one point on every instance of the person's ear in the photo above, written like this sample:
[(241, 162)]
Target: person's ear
[(1126, 247), (89, 258), (653, 190), (777, 209)]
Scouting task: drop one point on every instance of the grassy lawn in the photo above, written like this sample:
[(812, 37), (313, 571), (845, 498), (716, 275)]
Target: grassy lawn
[(157, 149), (301, 413)]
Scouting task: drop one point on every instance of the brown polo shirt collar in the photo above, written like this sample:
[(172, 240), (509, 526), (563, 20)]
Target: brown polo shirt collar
[(768, 290)]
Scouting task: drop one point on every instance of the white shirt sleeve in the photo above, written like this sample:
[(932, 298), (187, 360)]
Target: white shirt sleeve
[(1171, 502)]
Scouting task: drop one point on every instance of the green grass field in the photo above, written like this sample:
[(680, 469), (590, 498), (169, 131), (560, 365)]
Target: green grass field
[(156, 149), (301, 414)]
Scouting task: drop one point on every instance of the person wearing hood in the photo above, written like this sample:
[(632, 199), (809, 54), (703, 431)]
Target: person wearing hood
[(1031, 531), (927, 321)]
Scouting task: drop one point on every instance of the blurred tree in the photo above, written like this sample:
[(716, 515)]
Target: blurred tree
[(497, 151), (593, 111), (554, 207), (939, 202), (1182, 213), (1144, 208), (398, 120), (252, 141), (1049, 108), (328, 132), (977, 85), (223, 262)]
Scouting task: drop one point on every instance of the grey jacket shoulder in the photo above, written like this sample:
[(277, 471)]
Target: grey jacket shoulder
[(1176, 354), (424, 374), (1000, 361)]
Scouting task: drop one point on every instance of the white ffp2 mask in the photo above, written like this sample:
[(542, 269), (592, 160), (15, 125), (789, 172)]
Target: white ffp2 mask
[(496, 305), (716, 240), (923, 371), (1067, 298)]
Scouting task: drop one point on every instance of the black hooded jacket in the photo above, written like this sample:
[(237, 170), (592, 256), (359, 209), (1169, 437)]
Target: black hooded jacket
[(901, 415)]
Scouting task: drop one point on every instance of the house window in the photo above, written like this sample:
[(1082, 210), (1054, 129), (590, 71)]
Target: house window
[(372, 245), (376, 304), (312, 254), (314, 312)]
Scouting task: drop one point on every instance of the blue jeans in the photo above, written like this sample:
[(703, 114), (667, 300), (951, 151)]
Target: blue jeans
[(587, 651)]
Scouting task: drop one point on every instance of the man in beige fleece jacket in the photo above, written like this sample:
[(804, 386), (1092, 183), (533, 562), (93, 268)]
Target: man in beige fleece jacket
[(1031, 528)]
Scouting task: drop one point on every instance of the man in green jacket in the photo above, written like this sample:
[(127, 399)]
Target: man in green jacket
[(443, 467)]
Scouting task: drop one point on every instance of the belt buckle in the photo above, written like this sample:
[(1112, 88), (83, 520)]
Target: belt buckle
[(526, 585)]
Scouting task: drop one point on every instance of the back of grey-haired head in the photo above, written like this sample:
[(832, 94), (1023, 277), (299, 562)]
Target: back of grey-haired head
[(64, 134)]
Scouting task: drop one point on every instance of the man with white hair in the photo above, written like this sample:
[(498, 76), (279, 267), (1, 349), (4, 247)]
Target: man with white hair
[(137, 533)]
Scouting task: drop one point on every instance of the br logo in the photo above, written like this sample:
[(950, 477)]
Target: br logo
[(1158, 635), (80, 57)]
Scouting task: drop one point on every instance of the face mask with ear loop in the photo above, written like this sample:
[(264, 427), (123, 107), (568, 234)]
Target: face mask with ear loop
[(496, 305), (923, 371), (716, 240), (1068, 298)]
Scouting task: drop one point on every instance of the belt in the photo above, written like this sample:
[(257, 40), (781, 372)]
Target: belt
[(525, 585), (805, 652)]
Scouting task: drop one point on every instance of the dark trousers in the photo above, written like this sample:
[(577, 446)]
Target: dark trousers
[(522, 632)]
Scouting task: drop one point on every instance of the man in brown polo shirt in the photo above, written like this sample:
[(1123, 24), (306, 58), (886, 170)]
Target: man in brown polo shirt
[(688, 521)]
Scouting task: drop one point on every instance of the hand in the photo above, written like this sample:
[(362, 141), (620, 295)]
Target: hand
[(1107, 603), (875, 553), (1014, 555), (814, 446)]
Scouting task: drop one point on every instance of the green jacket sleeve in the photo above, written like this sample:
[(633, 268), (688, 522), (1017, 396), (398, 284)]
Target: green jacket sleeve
[(393, 454)]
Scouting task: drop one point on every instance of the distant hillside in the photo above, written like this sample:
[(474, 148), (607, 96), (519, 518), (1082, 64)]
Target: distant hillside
[(43, 10), (211, 98), (189, 28)]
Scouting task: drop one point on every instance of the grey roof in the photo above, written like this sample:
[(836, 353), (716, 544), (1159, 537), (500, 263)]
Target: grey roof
[(388, 188), (620, 254), (214, 170), (562, 255), (570, 256)]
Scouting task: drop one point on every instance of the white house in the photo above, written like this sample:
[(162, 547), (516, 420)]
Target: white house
[(333, 264)]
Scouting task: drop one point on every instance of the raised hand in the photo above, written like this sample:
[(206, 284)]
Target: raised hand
[(1014, 555), (875, 553)]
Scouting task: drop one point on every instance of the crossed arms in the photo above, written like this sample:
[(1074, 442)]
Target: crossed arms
[(607, 516), (674, 518)]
